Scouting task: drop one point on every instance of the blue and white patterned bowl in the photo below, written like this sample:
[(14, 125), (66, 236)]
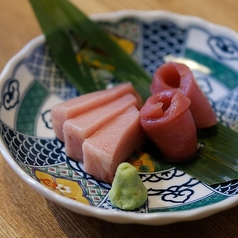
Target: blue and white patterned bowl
[(31, 83)]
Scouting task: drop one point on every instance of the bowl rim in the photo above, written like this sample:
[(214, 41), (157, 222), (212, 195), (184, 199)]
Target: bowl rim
[(112, 215)]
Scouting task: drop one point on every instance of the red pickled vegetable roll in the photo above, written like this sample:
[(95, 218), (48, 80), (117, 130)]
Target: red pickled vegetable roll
[(176, 75), (168, 122)]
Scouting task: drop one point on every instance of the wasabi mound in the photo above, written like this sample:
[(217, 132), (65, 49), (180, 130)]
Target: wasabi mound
[(128, 191)]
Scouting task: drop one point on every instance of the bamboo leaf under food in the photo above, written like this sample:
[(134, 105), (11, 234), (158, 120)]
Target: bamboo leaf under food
[(217, 159)]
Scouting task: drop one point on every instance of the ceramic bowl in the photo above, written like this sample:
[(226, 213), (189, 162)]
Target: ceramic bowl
[(31, 83)]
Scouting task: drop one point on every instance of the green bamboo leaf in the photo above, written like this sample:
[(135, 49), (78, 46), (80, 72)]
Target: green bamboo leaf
[(58, 36), (217, 160), (64, 25)]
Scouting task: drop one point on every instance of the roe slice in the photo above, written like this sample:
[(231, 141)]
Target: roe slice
[(77, 129), (112, 144), (75, 106)]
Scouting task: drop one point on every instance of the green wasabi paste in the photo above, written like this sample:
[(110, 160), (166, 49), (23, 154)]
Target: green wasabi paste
[(128, 191)]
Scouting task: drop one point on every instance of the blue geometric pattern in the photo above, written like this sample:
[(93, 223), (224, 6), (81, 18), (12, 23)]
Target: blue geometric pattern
[(33, 151), (227, 108), (42, 65), (228, 188), (160, 38), (77, 166)]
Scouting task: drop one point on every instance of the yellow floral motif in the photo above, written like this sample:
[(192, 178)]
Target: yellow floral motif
[(64, 187), (143, 163), (126, 45), (84, 54)]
